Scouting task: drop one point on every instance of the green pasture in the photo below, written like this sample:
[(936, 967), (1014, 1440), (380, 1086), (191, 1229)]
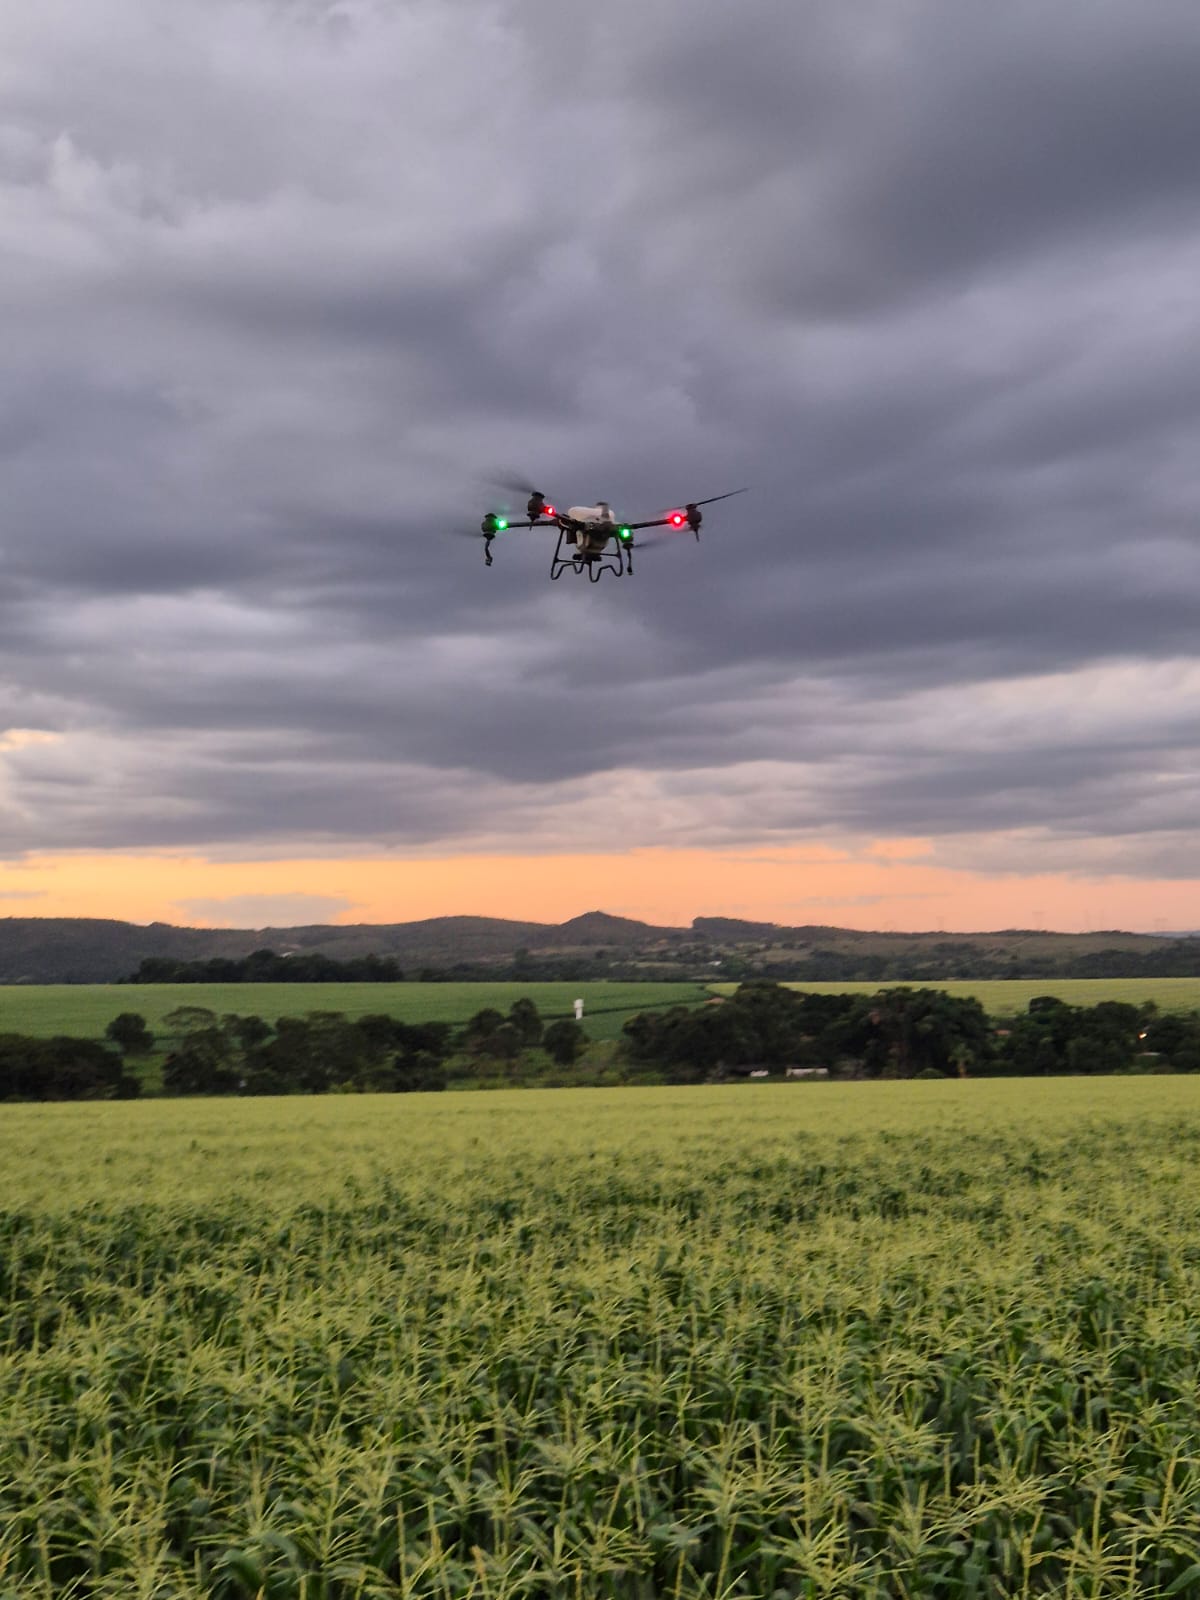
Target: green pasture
[(85, 1010), (802, 1341), (1005, 997)]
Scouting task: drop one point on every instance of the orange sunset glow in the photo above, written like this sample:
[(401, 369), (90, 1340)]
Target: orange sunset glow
[(887, 885)]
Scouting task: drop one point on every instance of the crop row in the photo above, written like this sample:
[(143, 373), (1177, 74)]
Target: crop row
[(852, 1342)]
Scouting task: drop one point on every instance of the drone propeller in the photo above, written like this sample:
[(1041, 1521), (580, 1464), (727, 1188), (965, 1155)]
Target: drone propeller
[(713, 498), (691, 516), (514, 482), (537, 505)]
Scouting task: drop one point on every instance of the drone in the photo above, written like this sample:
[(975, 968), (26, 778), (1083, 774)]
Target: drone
[(590, 538)]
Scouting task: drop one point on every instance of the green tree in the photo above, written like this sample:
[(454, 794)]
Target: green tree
[(505, 1043), (1175, 1040), (62, 1069), (248, 1032), (565, 1041), (418, 1071), (189, 1019), (322, 1050), (130, 1034), (1105, 1038), (523, 1015), (901, 1032), (202, 1063), (480, 1028)]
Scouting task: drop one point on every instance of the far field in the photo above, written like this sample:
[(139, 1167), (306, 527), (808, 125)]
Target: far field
[(85, 1010), (1005, 997)]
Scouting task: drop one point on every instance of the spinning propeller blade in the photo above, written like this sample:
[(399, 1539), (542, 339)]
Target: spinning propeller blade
[(713, 498), (537, 503), (514, 482)]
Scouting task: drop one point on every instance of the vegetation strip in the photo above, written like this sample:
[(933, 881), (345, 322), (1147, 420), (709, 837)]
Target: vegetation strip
[(760, 1029), (87, 1009), (1007, 997)]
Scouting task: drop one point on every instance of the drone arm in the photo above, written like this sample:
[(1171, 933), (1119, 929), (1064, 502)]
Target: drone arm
[(677, 518)]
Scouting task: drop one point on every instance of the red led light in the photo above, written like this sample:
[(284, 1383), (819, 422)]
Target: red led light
[(548, 511), (678, 519)]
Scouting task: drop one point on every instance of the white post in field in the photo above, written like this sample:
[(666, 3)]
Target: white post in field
[(579, 1011)]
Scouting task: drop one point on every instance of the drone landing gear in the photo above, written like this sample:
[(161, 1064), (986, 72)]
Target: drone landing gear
[(617, 561)]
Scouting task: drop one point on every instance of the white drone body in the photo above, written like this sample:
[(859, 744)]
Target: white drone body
[(585, 532), (599, 515), (589, 528)]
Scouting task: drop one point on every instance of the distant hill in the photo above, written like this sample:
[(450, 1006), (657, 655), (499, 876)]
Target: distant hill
[(598, 928), (735, 931), (92, 950)]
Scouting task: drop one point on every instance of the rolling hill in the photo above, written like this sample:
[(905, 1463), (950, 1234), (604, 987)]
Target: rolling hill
[(93, 950)]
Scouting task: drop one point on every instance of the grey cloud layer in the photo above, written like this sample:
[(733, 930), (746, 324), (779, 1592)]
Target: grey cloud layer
[(279, 281)]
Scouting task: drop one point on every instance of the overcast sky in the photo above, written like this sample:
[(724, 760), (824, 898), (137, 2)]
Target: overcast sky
[(283, 281)]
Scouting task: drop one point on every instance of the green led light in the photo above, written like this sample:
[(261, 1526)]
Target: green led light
[(626, 533), (501, 524)]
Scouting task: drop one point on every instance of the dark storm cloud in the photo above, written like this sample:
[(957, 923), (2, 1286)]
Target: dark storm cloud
[(281, 283), (925, 144)]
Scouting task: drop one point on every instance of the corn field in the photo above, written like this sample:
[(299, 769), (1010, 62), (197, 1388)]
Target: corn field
[(905, 1339)]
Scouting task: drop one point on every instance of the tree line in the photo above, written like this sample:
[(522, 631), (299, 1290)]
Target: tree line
[(908, 1033), (63, 1068), (896, 1033), (266, 966), (961, 958), (945, 959), (326, 1052), (321, 1053)]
